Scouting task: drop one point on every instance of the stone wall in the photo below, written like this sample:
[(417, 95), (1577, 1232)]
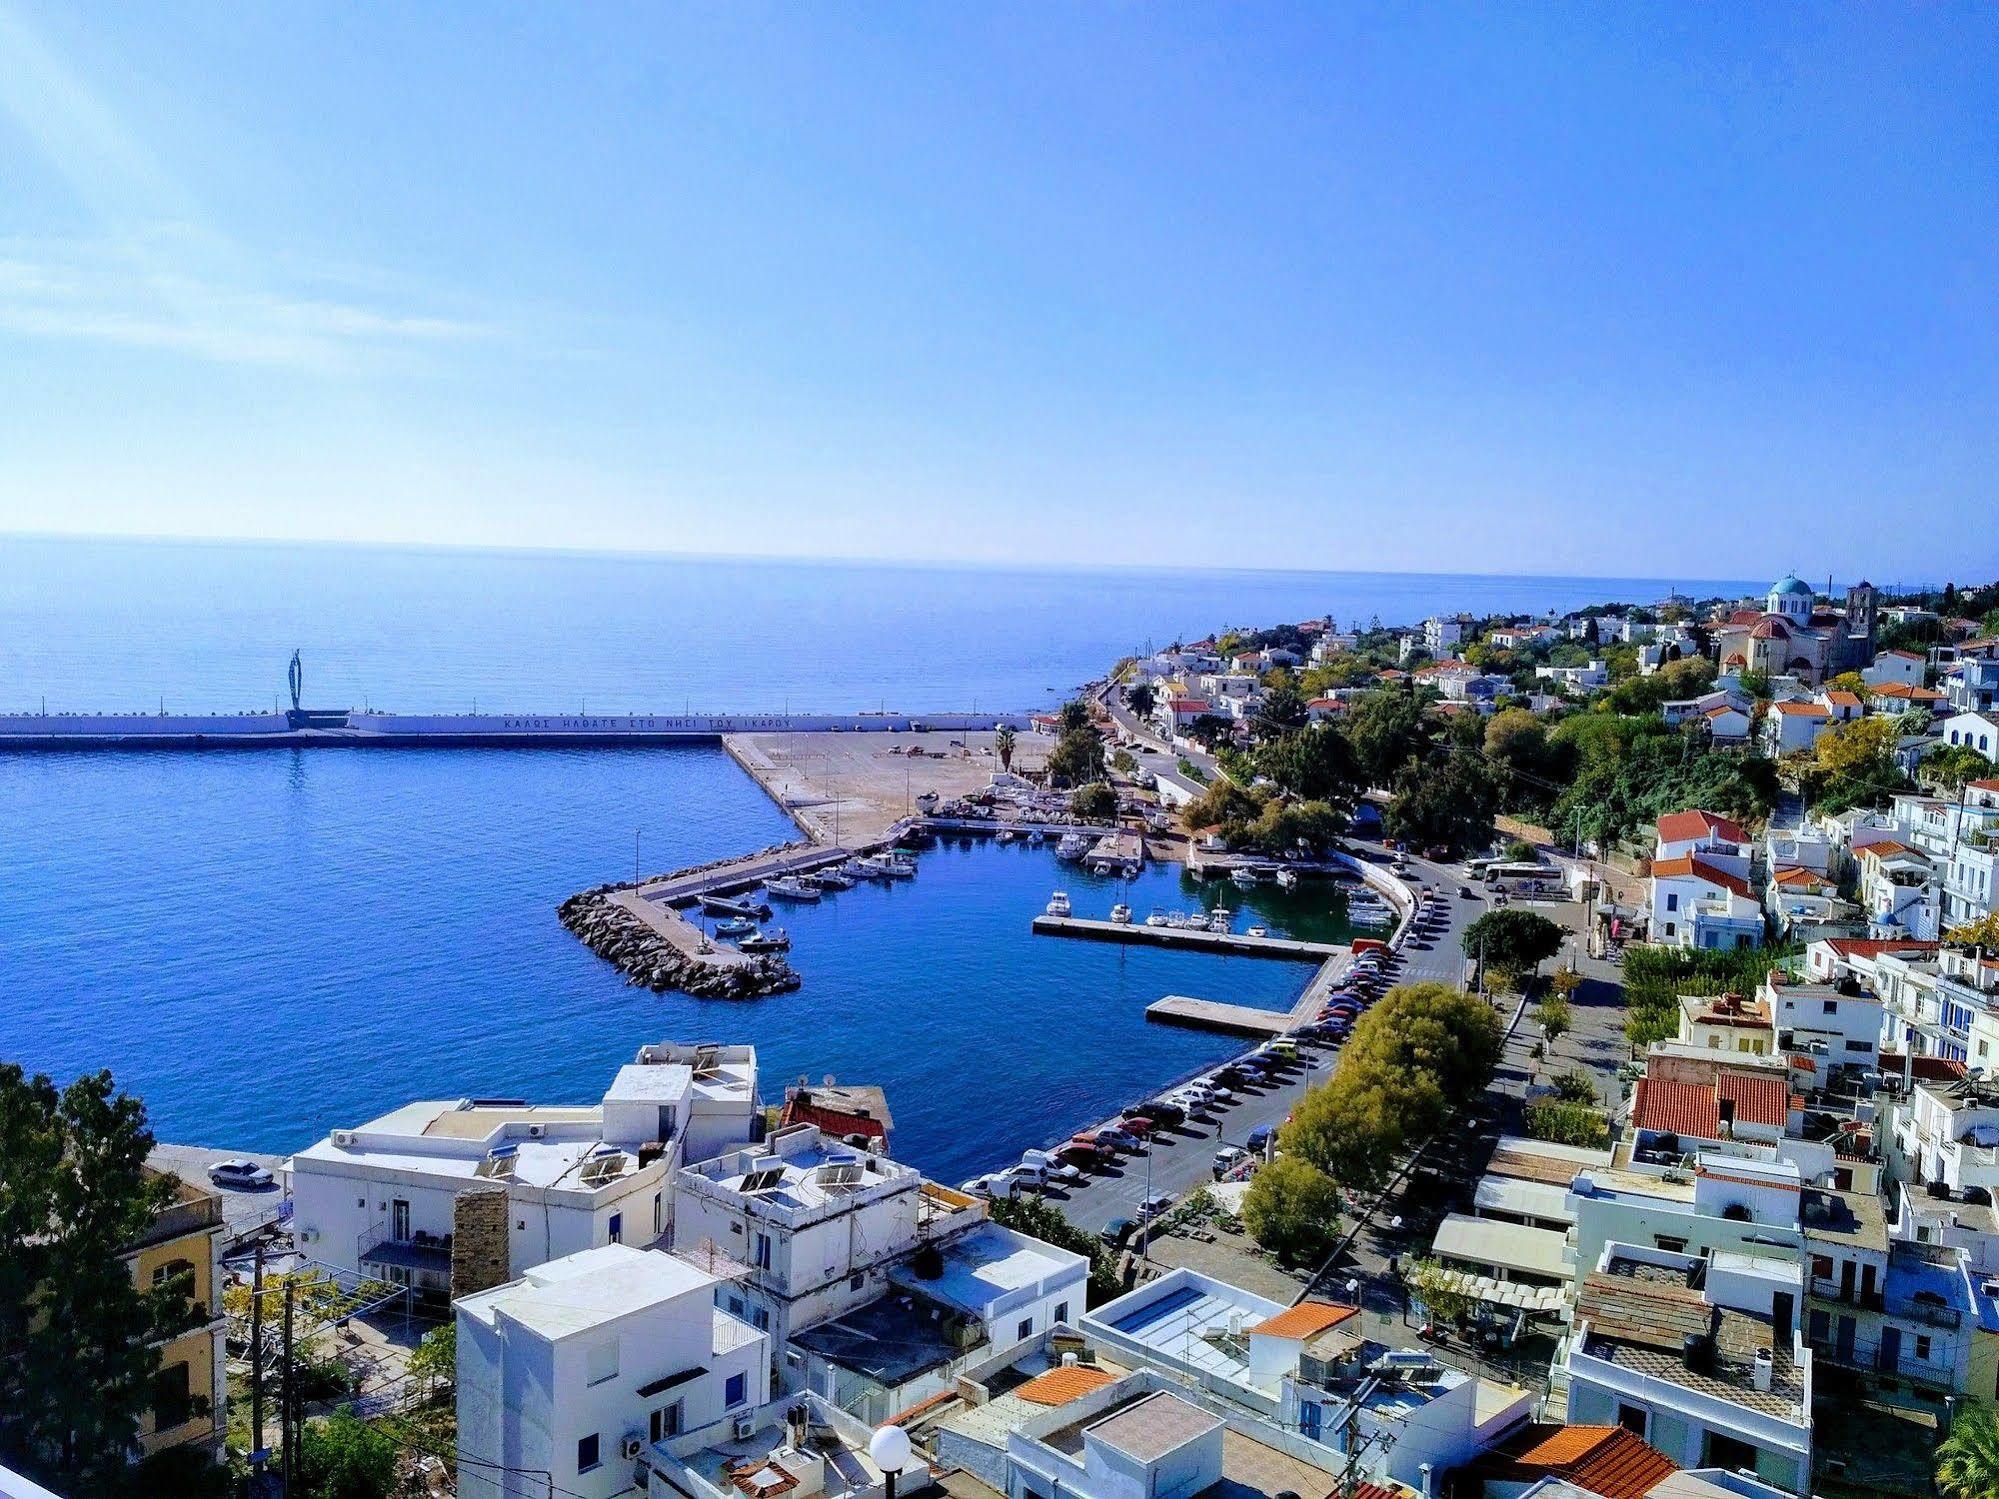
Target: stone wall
[(479, 1258)]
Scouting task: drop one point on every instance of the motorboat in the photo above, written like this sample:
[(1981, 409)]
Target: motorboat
[(1072, 846), (899, 865), (1244, 877), (1287, 879), (772, 939), (741, 905), (1259, 931), (1005, 835), (1058, 903), (1121, 914), (1157, 918), (793, 889), (734, 926), (871, 867), (827, 879)]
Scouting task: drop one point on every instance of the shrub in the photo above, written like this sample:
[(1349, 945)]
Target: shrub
[(1566, 1123), (1292, 1209)]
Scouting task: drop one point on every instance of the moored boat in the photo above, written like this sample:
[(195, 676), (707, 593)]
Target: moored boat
[(1288, 878), (734, 926), (792, 889), (1058, 903), (828, 879), (769, 939), (1121, 914), (1072, 846)]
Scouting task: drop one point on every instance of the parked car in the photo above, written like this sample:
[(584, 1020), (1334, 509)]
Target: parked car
[(1118, 1138), (1259, 1139), (1052, 1163), (1226, 1157), (1029, 1174), (1117, 1231), (1156, 1204), (246, 1176), (1138, 1124), (1162, 1112)]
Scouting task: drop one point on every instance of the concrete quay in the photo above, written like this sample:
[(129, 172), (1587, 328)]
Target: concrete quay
[(1137, 934), (1213, 1015)]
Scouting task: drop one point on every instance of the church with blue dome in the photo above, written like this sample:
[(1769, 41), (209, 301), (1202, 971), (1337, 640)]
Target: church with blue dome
[(1793, 635)]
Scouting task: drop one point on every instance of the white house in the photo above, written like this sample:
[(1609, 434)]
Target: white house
[(1575, 678), (389, 1197), (1443, 634), (1905, 667), (1793, 726), (1979, 731), (573, 1371), (1696, 902), (1838, 1022), (1702, 1357)]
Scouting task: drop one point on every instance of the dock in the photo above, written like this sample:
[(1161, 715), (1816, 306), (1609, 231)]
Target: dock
[(1213, 1015), (1137, 934)]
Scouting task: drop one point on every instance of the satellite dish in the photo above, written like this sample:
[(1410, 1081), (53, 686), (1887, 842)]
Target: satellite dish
[(889, 1447)]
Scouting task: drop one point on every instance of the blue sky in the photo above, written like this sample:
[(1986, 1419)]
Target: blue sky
[(1598, 289)]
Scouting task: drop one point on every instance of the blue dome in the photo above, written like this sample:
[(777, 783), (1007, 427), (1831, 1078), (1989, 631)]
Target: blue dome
[(1792, 583)]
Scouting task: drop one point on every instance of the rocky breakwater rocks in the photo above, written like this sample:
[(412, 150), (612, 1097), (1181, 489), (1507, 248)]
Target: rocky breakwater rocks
[(647, 958)]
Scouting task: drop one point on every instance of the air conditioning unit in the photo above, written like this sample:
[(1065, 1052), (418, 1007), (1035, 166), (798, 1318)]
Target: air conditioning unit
[(746, 1427), (535, 1131), (632, 1445), (343, 1137)]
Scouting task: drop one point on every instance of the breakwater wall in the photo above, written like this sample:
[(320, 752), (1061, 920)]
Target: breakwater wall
[(320, 729)]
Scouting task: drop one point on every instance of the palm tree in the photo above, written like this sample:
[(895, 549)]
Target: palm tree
[(1968, 1463), (1003, 743)]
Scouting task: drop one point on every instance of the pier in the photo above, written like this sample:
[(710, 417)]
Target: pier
[(1213, 1015), (1136, 934)]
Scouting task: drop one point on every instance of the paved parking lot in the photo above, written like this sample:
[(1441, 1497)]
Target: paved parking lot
[(1183, 1159)]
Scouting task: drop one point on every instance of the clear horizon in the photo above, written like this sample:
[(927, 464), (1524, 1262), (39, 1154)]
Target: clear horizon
[(1532, 292)]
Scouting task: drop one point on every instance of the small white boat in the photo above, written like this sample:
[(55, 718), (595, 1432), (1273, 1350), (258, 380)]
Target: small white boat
[(828, 879), (1259, 931), (1058, 903), (870, 867), (1006, 835), (790, 889), (1121, 914), (1157, 918), (1288, 878), (735, 926), (1072, 846), (900, 866), (1244, 877), (1220, 918)]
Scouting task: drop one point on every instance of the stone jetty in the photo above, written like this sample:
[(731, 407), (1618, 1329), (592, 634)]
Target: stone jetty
[(657, 948)]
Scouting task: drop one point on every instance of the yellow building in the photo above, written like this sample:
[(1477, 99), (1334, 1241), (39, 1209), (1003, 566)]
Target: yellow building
[(186, 1240)]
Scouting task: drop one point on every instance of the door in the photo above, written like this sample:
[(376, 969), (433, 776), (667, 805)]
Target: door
[(1891, 1350), (399, 1221), (1843, 1341)]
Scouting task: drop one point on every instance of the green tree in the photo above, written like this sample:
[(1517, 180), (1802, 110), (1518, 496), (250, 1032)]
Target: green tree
[(1003, 746), (1947, 767), (77, 1355), (1142, 699), (1512, 940), (1283, 712), (1075, 715), (435, 1361), (1078, 757), (1292, 1209), (1387, 728), (1553, 1016), (1316, 763), (1565, 1122), (1968, 1459), (1449, 803), (1096, 801), (1984, 932), (345, 1458)]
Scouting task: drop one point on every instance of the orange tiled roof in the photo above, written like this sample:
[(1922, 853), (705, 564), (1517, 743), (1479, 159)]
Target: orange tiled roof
[(1842, 698), (1606, 1460), (1676, 1108), (1800, 877), (1305, 1320), (1694, 864), (1060, 1386), (1873, 947), (1887, 848), (1677, 827), (1803, 710)]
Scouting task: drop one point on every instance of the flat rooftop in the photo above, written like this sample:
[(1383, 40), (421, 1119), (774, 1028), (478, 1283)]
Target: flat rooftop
[(986, 1266), (884, 1340), (597, 1286), (1189, 1322)]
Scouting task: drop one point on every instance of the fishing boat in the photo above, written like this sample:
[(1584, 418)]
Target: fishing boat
[(735, 926), (1121, 914), (772, 939), (1058, 903), (1287, 879), (871, 867), (1072, 846), (828, 879), (899, 865), (793, 889), (1156, 918)]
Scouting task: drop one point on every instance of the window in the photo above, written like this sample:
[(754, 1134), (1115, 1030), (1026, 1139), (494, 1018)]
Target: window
[(172, 1405), (735, 1306), (760, 1318), (665, 1422), (1923, 1348), (658, 1212), (1025, 1330), (1725, 1451), (857, 1281), (1061, 1311), (1672, 903), (736, 1390), (1669, 929), (1669, 1244), (1831, 1006), (763, 1251), (1631, 1418), (617, 1230), (587, 1455)]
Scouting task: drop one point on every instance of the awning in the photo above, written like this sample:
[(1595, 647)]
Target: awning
[(1502, 1246)]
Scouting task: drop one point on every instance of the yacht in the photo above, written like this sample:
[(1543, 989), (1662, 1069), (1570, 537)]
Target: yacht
[(1157, 918), (792, 889), (827, 879), (1072, 846), (1121, 914), (1058, 903), (1220, 918)]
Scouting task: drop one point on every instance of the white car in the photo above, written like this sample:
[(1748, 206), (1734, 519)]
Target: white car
[(243, 1175), (1218, 1094)]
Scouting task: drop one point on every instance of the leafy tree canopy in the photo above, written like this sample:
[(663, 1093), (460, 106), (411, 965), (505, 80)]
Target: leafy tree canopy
[(1292, 1209)]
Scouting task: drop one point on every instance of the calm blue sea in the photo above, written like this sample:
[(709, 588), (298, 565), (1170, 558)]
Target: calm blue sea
[(267, 945)]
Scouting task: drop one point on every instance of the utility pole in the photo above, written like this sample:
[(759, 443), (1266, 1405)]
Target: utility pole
[(285, 1395), (257, 1369)]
